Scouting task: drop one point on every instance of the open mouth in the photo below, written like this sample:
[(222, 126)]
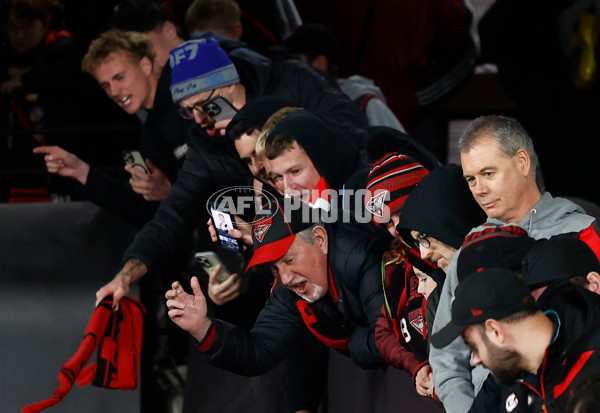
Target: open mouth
[(300, 287), (125, 100), (210, 131)]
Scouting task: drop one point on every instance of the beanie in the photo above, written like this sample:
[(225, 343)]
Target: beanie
[(390, 181), (200, 65), (118, 337)]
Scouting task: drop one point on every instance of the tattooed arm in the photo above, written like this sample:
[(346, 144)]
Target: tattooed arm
[(133, 270)]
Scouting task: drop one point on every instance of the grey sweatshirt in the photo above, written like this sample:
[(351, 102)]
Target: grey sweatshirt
[(456, 381)]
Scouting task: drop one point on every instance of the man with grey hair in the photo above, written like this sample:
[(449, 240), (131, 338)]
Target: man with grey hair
[(327, 285), (498, 162)]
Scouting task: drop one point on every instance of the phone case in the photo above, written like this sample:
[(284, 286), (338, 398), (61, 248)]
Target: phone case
[(135, 159), (209, 260), (219, 108)]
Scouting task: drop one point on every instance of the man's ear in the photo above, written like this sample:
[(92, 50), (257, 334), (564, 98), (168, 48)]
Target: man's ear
[(594, 282), (146, 65), (523, 160), (169, 29), (495, 332), (319, 235)]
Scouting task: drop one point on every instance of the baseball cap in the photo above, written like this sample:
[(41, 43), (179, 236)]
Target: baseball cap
[(490, 293), (560, 257), (276, 225), (494, 247)]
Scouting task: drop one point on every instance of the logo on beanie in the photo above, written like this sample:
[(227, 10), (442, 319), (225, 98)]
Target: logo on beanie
[(476, 312), (179, 54), (376, 204), (261, 228)]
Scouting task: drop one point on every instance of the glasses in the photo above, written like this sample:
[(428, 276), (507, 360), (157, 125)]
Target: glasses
[(188, 112), (422, 241)]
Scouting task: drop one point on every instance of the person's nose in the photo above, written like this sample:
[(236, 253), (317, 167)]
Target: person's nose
[(480, 188), (200, 117), (421, 288), (288, 183), (475, 359), (425, 252), (256, 168), (286, 276)]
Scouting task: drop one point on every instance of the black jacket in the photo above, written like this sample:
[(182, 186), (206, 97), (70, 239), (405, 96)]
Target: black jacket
[(578, 312), (566, 363), (355, 260), (302, 84), (213, 164), (163, 140)]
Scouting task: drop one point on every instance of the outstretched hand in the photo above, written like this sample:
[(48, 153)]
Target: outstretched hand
[(58, 161), (188, 311)]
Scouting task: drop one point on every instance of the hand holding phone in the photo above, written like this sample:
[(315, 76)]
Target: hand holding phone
[(208, 261), (136, 160), (223, 222)]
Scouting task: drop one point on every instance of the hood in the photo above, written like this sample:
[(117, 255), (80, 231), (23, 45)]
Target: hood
[(441, 205), (334, 156)]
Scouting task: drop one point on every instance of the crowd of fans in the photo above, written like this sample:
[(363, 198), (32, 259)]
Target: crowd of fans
[(358, 238)]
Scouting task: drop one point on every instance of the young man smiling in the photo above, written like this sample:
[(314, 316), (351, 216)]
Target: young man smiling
[(124, 65)]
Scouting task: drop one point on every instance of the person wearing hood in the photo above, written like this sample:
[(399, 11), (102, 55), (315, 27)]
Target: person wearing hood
[(498, 162), (432, 223), (299, 148)]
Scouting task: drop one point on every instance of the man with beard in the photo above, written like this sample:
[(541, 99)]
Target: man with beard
[(529, 352)]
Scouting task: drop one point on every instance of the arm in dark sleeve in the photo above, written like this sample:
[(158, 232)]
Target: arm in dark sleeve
[(276, 329), (117, 197), (319, 96), (205, 170), (363, 347), (488, 399)]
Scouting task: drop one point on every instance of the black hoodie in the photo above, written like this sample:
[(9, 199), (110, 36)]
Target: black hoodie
[(441, 206)]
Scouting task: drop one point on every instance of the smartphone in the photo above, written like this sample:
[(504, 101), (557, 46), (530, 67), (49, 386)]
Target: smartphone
[(219, 108), (223, 222), (209, 260), (135, 159)]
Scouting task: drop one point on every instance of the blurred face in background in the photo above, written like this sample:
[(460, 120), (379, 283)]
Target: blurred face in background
[(25, 33)]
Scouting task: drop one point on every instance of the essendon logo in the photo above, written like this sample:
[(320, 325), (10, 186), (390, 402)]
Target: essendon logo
[(476, 312), (376, 203), (261, 228), (509, 230), (415, 318)]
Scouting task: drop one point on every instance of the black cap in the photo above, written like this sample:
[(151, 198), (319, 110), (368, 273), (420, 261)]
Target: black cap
[(494, 247), (560, 257), (491, 293)]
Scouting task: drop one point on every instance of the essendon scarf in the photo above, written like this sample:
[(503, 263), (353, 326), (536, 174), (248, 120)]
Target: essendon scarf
[(118, 337)]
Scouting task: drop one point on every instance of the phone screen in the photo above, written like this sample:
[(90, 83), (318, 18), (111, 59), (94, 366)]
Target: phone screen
[(223, 223)]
